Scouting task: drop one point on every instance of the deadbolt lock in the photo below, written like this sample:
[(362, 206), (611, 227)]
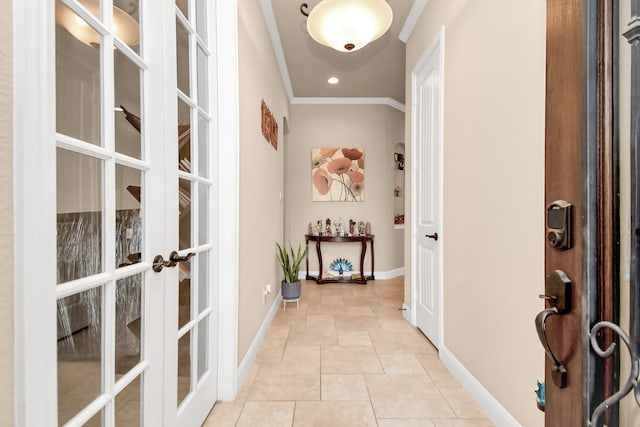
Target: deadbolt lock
[(559, 224)]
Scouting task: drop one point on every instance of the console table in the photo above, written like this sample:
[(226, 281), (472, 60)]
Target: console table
[(341, 239)]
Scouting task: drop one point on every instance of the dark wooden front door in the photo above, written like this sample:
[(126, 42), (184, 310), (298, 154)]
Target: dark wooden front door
[(580, 169)]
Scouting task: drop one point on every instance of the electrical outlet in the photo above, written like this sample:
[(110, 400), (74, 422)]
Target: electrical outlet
[(266, 292), (129, 233)]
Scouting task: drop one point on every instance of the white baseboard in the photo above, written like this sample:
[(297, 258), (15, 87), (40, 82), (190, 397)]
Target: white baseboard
[(380, 275), (494, 410), (384, 275), (248, 358), (406, 312)]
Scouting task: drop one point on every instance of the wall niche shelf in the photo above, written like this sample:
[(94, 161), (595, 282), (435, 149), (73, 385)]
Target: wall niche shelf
[(398, 186)]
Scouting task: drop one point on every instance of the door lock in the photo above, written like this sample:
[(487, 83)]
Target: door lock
[(159, 262), (559, 224)]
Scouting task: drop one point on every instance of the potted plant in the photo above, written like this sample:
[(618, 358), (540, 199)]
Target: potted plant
[(290, 262)]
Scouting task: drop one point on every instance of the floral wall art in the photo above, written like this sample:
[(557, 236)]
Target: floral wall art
[(337, 174)]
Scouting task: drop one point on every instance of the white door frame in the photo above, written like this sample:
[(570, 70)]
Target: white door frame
[(436, 44), (228, 188), (32, 48), (34, 102)]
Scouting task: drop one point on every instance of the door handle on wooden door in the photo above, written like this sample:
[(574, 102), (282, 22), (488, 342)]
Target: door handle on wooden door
[(558, 293), (559, 373)]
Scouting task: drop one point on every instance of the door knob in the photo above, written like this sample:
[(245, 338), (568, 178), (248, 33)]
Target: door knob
[(433, 236), (159, 262), (174, 258)]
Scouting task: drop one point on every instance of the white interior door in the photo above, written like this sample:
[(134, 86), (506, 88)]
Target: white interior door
[(192, 333), (427, 195), (116, 177)]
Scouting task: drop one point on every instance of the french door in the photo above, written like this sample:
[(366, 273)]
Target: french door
[(121, 332)]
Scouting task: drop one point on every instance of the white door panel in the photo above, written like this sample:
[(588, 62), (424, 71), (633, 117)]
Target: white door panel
[(427, 223), (426, 264)]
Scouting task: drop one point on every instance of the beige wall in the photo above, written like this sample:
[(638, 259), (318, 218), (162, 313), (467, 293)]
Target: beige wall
[(261, 172), (6, 214), (493, 178), (376, 129)]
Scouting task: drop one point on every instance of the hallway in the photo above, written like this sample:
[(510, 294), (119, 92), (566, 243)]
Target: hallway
[(347, 357)]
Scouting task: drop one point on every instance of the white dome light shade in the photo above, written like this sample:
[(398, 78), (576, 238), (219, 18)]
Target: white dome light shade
[(125, 27), (349, 25)]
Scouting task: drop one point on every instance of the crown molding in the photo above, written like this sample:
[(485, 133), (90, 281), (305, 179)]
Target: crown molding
[(272, 27), (349, 101), (412, 19)]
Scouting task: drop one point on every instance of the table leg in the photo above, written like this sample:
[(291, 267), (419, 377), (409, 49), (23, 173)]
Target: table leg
[(319, 252), (307, 259), (372, 277), (362, 254)]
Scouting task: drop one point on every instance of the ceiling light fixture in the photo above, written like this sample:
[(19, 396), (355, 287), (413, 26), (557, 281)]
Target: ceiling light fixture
[(333, 80), (347, 25), (126, 28)]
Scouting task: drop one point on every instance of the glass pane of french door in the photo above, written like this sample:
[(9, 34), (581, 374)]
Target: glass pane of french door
[(101, 215), (194, 60)]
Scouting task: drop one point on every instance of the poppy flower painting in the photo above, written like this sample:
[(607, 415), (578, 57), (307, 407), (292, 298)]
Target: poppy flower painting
[(337, 174)]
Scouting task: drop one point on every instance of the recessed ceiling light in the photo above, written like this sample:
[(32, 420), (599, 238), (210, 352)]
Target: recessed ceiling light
[(333, 80)]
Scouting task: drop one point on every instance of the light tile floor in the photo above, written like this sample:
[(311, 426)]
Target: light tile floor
[(348, 358)]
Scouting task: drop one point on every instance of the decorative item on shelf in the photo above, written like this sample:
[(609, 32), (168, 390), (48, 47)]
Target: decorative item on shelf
[(361, 228), (367, 229), (352, 227), (328, 229), (398, 219), (309, 229), (290, 263), (337, 224), (399, 159), (341, 266), (347, 25)]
